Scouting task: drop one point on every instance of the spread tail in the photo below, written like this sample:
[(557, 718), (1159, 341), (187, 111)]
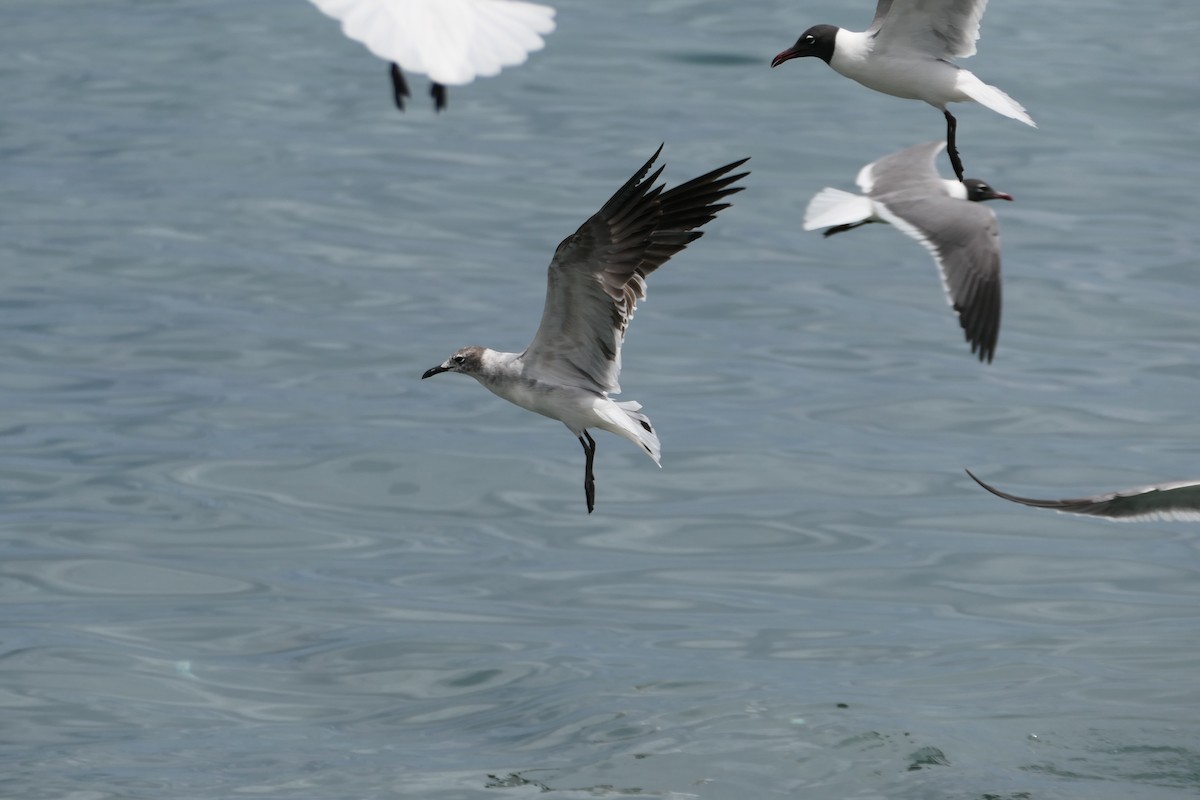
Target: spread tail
[(988, 95), (833, 207), (631, 423)]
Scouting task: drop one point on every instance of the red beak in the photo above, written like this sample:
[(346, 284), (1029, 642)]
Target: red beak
[(786, 55)]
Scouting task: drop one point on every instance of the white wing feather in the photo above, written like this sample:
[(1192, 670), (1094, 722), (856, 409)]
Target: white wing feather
[(944, 28), (452, 41)]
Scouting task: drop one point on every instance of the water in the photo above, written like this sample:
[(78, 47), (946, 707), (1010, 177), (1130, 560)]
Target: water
[(247, 552)]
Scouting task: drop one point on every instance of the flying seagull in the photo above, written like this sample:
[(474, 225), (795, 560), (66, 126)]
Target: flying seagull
[(595, 279), (1179, 500), (453, 41), (906, 53), (946, 217)]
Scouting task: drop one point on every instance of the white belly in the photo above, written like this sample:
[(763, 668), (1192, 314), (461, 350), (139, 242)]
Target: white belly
[(566, 404), (915, 78)]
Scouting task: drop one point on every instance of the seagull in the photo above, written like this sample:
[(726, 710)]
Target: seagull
[(906, 53), (453, 41), (595, 279), (905, 189), (1179, 500)]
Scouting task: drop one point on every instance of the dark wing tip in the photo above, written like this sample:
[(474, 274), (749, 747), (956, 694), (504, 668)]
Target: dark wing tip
[(643, 224), (685, 208), (641, 173), (996, 491), (1158, 501), (978, 310), (639, 185), (981, 483), (713, 175), (1059, 505)]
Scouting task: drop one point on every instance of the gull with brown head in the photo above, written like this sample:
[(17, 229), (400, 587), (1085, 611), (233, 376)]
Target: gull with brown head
[(597, 276)]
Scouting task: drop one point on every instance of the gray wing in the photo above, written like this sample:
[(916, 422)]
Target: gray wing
[(881, 11), (963, 237), (941, 28), (1167, 501), (599, 273), (913, 169)]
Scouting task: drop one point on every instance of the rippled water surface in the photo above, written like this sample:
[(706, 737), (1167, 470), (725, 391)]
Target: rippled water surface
[(248, 553)]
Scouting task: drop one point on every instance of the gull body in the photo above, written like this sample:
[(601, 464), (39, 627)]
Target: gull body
[(946, 217), (596, 277), (452, 41), (1177, 500), (579, 407), (906, 53)]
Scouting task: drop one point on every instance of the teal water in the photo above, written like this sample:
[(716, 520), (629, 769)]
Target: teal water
[(246, 552)]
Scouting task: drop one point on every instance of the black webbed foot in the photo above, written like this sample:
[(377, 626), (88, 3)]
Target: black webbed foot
[(399, 86), (951, 146), (589, 480), (438, 92), (847, 227)]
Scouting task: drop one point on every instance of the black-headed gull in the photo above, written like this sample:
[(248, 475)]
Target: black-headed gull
[(595, 279), (945, 216), (906, 53), (1179, 500), (452, 41)]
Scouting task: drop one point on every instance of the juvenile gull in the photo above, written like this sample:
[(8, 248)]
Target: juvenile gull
[(1179, 500), (946, 217), (906, 53), (453, 41), (595, 279)]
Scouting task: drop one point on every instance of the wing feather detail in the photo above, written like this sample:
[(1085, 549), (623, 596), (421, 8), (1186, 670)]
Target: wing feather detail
[(940, 28), (1178, 500), (598, 274)]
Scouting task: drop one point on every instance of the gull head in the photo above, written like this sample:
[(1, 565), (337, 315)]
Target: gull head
[(467, 360), (978, 191), (817, 41)]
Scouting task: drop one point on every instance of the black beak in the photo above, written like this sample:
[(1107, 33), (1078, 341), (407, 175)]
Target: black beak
[(429, 373)]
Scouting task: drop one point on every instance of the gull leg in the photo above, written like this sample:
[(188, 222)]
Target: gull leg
[(951, 147), (589, 480), (399, 87), (438, 92), (847, 227)]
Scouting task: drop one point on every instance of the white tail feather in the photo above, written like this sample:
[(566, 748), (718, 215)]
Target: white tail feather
[(634, 426), (832, 207), (988, 95)]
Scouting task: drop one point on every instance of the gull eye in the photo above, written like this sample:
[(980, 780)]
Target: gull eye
[(460, 360), (810, 39)]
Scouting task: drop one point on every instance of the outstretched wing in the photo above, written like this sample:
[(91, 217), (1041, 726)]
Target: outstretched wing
[(963, 237), (1168, 501), (912, 169), (599, 273), (452, 41), (881, 11), (940, 28)]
